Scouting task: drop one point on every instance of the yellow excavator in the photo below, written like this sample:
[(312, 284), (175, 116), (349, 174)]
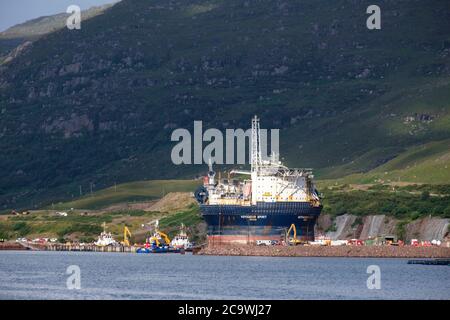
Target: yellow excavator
[(126, 234), (158, 236), (292, 241)]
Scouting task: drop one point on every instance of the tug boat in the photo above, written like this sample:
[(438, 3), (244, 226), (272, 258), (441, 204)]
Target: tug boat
[(158, 243), (105, 238), (181, 240)]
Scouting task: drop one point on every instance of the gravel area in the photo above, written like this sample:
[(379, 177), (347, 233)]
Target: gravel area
[(328, 251)]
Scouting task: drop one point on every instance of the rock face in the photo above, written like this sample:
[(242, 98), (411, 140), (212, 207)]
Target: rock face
[(350, 226), (377, 225), (428, 229)]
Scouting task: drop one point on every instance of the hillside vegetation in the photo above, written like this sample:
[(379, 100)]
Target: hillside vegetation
[(82, 227), (33, 29), (98, 105), (428, 163), (129, 192)]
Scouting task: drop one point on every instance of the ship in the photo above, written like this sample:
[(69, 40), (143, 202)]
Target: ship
[(158, 243), (181, 240), (263, 204), (105, 238)]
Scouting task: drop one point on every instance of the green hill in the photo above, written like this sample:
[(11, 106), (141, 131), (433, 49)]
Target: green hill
[(33, 29), (429, 163), (129, 192), (98, 105)]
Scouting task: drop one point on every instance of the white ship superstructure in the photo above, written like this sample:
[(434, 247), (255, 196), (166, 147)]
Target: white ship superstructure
[(263, 206)]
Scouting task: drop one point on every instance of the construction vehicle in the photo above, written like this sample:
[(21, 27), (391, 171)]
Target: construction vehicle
[(126, 234), (159, 239), (292, 241), (159, 242)]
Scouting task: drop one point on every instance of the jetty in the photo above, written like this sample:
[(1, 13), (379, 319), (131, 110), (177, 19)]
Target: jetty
[(383, 251), (436, 262)]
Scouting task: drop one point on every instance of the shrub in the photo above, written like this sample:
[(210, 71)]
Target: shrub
[(425, 195), (21, 228)]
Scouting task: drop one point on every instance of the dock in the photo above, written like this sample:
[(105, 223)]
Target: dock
[(436, 262), (90, 248)]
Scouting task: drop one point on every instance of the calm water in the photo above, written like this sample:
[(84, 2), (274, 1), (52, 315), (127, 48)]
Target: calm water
[(42, 275)]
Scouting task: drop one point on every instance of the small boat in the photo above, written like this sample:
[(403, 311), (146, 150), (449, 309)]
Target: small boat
[(181, 240), (143, 250), (158, 243), (105, 238), (156, 249)]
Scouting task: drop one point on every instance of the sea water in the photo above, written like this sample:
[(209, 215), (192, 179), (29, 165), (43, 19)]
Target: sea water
[(49, 275)]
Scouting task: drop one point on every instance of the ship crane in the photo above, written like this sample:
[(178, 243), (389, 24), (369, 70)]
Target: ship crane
[(211, 173)]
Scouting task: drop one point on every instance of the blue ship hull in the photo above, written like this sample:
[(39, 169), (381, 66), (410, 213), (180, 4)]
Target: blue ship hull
[(263, 221)]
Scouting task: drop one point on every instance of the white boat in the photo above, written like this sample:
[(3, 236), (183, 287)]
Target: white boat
[(181, 240), (105, 238)]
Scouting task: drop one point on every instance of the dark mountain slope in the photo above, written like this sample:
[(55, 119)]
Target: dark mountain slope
[(98, 105), (35, 28)]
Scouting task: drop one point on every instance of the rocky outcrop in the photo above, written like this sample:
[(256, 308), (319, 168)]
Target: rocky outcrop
[(377, 225), (428, 229), (17, 51)]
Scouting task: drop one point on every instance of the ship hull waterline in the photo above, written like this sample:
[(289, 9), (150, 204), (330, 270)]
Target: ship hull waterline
[(228, 224)]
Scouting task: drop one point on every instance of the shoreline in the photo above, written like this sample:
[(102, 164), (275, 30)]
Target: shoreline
[(4, 246), (284, 251), (327, 251)]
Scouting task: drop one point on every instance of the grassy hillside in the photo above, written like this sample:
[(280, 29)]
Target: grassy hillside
[(85, 228), (129, 192), (87, 214), (428, 163), (98, 105)]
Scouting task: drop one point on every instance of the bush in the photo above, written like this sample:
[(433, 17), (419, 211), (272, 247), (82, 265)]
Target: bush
[(86, 229), (358, 221), (425, 195), (447, 212), (21, 228), (402, 205), (401, 230), (332, 228), (415, 215)]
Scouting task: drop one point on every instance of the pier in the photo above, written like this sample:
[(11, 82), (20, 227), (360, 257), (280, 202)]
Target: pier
[(90, 248), (330, 251), (66, 247), (435, 262)]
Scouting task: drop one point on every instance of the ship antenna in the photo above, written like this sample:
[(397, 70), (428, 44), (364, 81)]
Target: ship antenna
[(256, 148), (210, 165), (211, 172)]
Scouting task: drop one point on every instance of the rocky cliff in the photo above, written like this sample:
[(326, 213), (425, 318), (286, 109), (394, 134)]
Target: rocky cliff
[(354, 227)]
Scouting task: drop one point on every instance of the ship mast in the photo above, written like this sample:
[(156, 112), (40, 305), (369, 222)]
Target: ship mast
[(256, 148)]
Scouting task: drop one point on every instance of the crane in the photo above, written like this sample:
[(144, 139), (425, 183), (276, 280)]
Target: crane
[(126, 234), (158, 236)]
